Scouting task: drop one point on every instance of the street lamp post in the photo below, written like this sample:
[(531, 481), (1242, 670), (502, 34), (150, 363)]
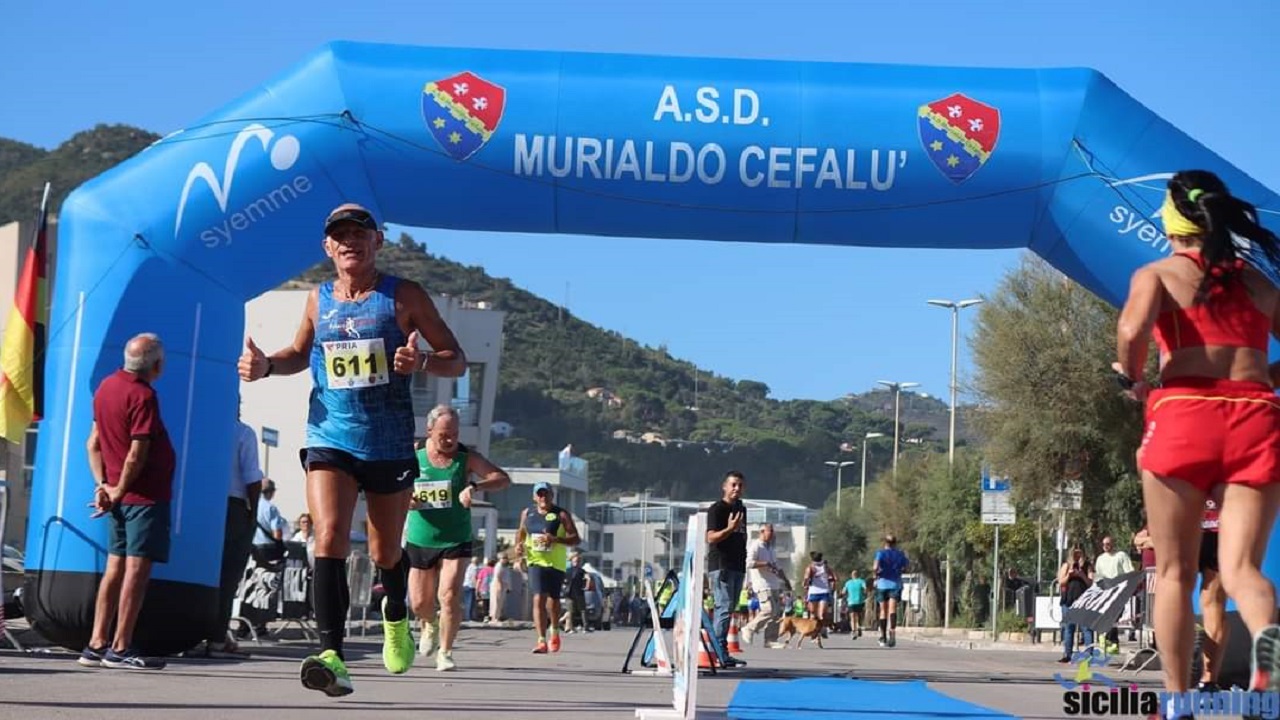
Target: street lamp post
[(839, 466), (644, 535), (862, 497), (955, 308), (897, 388)]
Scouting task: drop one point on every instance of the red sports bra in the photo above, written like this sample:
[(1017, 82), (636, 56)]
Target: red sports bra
[(1229, 318)]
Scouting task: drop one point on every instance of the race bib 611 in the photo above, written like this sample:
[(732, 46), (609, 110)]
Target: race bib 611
[(355, 363)]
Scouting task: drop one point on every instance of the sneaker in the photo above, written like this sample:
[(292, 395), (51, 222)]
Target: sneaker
[(554, 644), (893, 640), (444, 661), (327, 673), (89, 657), (540, 648), (397, 643), (1265, 660), (427, 643), (130, 660)]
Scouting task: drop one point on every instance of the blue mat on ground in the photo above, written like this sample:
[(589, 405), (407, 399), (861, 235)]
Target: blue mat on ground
[(842, 699)]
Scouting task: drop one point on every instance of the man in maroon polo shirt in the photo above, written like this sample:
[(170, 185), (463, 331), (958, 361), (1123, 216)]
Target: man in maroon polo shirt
[(132, 461)]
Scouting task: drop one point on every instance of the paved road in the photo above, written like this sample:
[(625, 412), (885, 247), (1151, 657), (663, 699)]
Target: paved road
[(496, 673)]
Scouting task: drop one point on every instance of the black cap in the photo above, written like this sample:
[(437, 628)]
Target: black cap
[(350, 212)]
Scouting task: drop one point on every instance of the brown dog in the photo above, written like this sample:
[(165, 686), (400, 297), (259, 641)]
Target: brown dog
[(802, 627)]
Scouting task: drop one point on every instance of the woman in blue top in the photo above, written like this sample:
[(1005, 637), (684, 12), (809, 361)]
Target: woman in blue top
[(359, 338)]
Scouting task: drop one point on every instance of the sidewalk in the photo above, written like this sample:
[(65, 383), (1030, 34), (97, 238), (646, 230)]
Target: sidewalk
[(967, 639)]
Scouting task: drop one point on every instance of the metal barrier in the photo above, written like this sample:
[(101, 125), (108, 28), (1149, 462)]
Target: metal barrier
[(276, 591), (360, 582), (1147, 629)]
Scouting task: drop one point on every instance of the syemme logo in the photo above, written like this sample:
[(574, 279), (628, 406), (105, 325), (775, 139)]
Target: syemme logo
[(1148, 191), (282, 151)]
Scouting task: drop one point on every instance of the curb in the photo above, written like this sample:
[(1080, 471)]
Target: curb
[(965, 640)]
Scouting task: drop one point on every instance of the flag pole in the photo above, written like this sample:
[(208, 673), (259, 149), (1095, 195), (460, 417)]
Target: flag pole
[(40, 244), (44, 201)]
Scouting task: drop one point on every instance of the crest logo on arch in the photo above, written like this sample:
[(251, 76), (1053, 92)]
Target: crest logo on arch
[(959, 135), (462, 112)]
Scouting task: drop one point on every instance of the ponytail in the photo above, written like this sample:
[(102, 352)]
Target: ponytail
[(1201, 198)]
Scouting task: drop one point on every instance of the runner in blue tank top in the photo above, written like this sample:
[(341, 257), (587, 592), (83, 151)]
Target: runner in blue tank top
[(359, 338), (889, 565)]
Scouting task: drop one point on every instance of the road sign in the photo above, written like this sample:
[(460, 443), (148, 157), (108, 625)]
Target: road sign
[(994, 483), (1068, 497), (270, 437), (997, 500)]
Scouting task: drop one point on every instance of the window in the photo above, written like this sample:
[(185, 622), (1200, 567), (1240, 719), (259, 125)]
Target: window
[(608, 542), (606, 568), (29, 456), (468, 391), (423, 390)]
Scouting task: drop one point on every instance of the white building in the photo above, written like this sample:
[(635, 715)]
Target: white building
[(280, 405), (637, 527)]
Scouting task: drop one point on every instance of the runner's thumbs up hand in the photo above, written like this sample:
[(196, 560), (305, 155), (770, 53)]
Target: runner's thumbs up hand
[(253, 363), (409, 359)]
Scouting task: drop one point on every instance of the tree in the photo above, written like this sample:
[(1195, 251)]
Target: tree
[(753, 389), (842, 539), (1043, 348)]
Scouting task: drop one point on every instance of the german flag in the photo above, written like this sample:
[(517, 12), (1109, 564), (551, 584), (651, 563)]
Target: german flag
[(25, 335)]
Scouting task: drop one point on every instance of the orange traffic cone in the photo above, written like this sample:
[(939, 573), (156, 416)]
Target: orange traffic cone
[(732, 640), (706, 661)]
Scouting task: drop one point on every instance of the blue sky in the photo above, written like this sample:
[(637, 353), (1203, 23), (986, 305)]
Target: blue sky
[(812, 322)]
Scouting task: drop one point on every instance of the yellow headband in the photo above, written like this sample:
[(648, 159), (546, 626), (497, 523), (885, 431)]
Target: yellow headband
[(1175, 223)]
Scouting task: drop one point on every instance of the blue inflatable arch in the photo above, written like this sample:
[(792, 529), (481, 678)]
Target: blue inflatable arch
[(178, 238)]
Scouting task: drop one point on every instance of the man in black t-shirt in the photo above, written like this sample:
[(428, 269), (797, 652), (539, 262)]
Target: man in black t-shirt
[(577, 581), (727, 551)]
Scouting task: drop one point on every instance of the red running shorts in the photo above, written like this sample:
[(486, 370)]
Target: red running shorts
[(1208, 431)]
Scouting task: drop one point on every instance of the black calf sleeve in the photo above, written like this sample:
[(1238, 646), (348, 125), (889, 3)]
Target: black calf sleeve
[(331, 601), (395, 582)]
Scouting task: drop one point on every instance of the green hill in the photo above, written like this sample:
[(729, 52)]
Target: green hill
[(24, 169), (643, 418)]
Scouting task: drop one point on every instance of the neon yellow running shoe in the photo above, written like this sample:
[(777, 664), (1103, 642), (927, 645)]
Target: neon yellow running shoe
[(327, 673), (397, 643)]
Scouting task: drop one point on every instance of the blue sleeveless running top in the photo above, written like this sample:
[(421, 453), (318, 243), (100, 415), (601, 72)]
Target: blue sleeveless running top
[(358, 403)]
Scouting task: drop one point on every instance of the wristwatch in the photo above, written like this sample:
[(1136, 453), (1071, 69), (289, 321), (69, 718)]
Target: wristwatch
[(473, 485)]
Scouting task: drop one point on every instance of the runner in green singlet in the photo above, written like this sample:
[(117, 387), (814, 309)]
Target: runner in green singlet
[(438, 532)]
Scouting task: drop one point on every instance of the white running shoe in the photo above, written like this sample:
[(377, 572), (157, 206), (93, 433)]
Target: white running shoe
[(427, 643), (444, 661)]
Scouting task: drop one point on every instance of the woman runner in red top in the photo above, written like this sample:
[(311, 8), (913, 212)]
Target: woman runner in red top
[(1215, 418)]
